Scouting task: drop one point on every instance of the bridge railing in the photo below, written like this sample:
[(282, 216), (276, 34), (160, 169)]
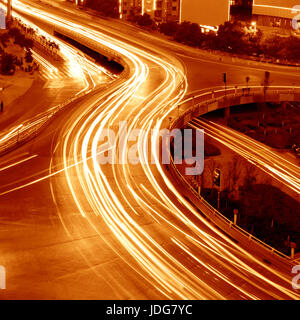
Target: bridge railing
[(28, 130), (209, 211), (218, 98), (200, 103)]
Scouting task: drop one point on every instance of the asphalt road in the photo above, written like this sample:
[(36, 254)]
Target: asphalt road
[(75, 229)]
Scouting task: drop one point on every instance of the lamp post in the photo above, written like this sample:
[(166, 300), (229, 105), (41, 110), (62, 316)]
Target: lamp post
[(235, 212), (293, 247), (225, 82), (247, 82)]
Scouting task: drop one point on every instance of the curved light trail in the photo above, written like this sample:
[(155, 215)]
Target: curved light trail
[(182, 255), (260, 155)]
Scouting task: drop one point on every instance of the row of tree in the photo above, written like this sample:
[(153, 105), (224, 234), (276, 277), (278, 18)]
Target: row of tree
[(30, 35), (8, 62), (233, 37)]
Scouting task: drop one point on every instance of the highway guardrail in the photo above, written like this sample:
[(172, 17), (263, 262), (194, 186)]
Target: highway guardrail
[(220, 99)]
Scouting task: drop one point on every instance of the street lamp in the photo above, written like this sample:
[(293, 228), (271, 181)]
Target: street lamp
[(253, 27), (235, 213), (293, 246)]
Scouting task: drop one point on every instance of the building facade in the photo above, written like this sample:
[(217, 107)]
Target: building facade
[(206, 13), (159, 10), (210, 13), (277, 13), (241, 9), (129, 8), (167, 10)]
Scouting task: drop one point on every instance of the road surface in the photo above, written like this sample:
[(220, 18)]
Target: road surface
[(74, 228)]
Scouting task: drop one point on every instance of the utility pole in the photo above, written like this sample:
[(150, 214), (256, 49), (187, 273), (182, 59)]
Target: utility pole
[(235, 212), (227, 108), (293, 246), (217, 183), (225, 82), (247, 81)]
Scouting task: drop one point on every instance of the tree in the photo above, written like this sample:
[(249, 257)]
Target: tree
[(108, 8), (210, 40), (254, 40), (145, 20), (28, 44), (28, 56), (14, 32), (235, 168), (7, 64), (250, 175), (231, 37), (169, 28), (190, 34), (290, 49), (4, 38), (211, 166), (195, 35)]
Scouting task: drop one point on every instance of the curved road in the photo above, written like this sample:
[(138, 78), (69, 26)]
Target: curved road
[(72, 227)]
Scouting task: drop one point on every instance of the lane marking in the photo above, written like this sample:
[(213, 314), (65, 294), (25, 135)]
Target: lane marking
[(18, 162)]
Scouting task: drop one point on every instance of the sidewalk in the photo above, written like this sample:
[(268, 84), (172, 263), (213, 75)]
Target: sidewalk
[(25, 96), (15, 86)]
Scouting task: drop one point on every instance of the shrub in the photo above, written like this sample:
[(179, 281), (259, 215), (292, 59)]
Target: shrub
[(7, 64), (169, 28), (28, 56)]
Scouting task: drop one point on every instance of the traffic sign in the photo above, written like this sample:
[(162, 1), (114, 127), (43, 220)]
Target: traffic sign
[(224, 77)]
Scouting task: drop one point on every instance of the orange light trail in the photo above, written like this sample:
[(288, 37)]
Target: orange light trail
[(119, 195)]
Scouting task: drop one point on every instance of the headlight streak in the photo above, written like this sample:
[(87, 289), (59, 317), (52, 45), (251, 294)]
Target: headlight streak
[(249, 256), (279, 168), (170, 275), (78, 66), (53, 71), (18, 162)]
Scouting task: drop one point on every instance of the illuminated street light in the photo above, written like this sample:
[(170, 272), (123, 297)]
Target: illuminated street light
[(253, 25)]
